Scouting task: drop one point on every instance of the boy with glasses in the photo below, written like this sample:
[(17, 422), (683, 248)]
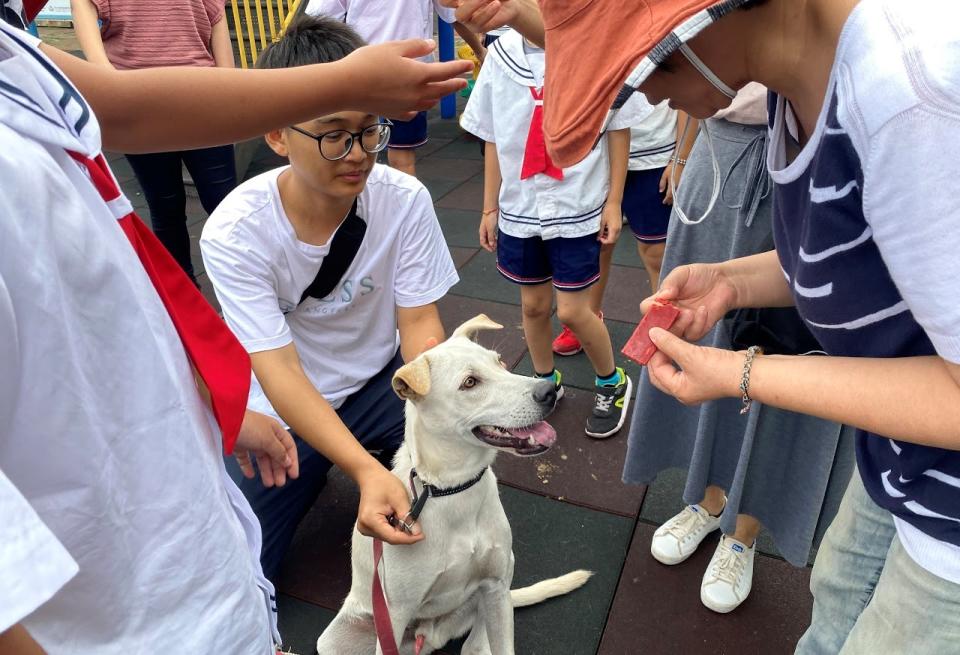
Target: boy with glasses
[(325, 340)]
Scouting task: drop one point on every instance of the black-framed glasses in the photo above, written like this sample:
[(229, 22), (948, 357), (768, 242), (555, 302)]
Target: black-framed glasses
[(337, 144)]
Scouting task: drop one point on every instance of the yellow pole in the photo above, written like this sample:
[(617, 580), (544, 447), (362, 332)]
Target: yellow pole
[(292, 8), (239, 29), (263, 34), (270, 20), (280, 12), (251, 35)]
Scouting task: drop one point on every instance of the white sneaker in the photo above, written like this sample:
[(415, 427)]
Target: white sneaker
[(729, 576), (678, 538)]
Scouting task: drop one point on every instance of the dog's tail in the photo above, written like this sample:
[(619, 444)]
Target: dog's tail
[(541, 591)]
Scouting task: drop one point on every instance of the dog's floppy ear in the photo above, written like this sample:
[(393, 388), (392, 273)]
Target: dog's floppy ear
[(475, 324), (412, 380)]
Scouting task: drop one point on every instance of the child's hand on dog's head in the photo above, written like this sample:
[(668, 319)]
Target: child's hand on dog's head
[(382, 496)]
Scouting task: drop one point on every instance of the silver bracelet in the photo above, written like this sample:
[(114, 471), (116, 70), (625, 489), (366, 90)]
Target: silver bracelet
[(752, 352), (679, 160)]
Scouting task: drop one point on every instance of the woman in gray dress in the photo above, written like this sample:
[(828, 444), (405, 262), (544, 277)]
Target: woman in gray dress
[(768, 467)]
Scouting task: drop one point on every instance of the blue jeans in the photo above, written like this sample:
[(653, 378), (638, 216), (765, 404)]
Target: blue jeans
[(870, 597), (374, 415), (161, 177)]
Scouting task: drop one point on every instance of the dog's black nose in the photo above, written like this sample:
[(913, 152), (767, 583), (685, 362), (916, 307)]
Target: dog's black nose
[(545, 393)]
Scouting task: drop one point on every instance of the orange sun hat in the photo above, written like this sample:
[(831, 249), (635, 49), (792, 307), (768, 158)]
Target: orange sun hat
[(600, 51)]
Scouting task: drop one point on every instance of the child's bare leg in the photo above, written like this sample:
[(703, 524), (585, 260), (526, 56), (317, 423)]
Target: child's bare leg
[(598, 289), (537, 305), (651, 254), (403, 159), (573, 309)]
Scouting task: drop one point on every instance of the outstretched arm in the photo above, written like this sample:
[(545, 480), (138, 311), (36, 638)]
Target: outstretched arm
[(192, 107), (485, 15)]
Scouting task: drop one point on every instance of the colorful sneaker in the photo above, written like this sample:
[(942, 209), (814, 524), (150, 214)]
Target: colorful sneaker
[(678, 538), (610, 407), (566, 343), (729, 576), (557, 377)]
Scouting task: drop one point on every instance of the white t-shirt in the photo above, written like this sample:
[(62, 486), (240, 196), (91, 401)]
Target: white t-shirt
[(653, 140), (379, 21), (102, 430), (499, 111), (260, 269)]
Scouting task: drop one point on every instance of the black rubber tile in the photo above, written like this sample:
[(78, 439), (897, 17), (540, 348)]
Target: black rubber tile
[(665, 498), (509, 341), (195, 229), (463, 147), (468, 196), (300, 624), (438, 187), (122, 170), (577, 469), (480, 279), (448, 169), (462, 255), (431, 146), (460, 226), (625, 252), (657, 609), (317, 565), (625, 289), (444, 128), (577, 369)]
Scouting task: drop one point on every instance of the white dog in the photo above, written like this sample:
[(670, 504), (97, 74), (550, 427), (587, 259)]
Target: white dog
[(463, 407)]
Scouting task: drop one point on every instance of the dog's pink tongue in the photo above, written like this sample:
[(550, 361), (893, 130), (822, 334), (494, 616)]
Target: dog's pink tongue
[(542, 432)]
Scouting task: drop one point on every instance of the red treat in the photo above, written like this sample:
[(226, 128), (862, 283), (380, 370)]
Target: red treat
[(639, 348)]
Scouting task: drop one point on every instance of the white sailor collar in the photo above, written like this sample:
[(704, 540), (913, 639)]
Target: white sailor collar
[(507, 52)]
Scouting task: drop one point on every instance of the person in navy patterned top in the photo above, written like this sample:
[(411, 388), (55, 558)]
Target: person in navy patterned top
[(865, 120)]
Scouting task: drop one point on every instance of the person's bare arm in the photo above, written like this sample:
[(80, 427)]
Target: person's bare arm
[(220, 45), (17, 641), (312, 418), (485, 15), (680, 153), (618, 143), (418, 326), (490, 214), (87, 29), (471, 39), (159, 109)]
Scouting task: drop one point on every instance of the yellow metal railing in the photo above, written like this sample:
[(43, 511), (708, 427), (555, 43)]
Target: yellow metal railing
[(252, 25)]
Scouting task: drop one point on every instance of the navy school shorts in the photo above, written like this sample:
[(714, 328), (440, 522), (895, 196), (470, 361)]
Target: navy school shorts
[(643, 206), (409, 134), (572, 264)]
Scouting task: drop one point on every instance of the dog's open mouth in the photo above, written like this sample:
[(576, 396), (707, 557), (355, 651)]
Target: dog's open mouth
[(530, 440)]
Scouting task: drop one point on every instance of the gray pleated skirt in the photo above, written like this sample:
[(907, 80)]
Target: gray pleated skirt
[(788, 470)]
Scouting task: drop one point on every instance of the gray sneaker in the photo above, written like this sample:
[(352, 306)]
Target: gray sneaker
[(610, 407)]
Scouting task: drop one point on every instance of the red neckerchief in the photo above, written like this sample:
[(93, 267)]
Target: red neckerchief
[(536, 159), (217, 356)]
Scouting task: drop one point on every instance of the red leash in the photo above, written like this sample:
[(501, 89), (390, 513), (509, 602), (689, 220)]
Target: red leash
[(381, 613)]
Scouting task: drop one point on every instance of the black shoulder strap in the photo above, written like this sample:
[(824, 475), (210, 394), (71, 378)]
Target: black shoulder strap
[(343, 248)]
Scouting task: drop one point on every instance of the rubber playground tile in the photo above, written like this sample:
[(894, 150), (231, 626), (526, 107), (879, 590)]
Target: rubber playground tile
[(206, 288), (625, 289), (509, 341), (431, 146), (480, 279), (300, 624), (461, 255), (460, 226), (657, 609), (577, 469), (317, 566), (448, 169), (194, 230), (664, 500), (463, 147), (468, 195), (438, 187), (577, 370), (625, 252)]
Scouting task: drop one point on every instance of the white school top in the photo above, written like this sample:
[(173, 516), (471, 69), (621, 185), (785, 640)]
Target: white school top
[(654, 139), (260, 269), (499, 111), (121, 531), (379, 21)]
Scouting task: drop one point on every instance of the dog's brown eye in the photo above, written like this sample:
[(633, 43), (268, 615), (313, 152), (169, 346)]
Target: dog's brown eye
[(469, 383)]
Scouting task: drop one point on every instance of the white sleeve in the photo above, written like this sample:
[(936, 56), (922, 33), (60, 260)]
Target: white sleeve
[(632, 113), (425, 270), (477, 117), (910, 202), (332, 8), (446, 14), (34, 565), (247, 293)]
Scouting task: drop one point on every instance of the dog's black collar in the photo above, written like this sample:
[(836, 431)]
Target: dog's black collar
[(429, 491)]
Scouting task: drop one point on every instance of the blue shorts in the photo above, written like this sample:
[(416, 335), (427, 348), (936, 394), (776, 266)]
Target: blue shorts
[(643, 206), (572, 264), (409, 134)]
